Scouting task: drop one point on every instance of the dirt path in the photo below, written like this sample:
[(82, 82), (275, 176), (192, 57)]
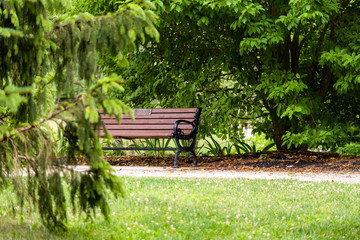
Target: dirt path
[(349, 177)]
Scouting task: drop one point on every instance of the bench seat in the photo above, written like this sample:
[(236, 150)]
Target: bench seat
[(177, 123)]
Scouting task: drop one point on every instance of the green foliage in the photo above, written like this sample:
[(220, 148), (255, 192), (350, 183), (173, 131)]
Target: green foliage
[(325, 138), (49, 82), (61, 143), (350, 149), (282, 66), (245, 147), (158, 143), (114, 143), (215, 148), (240, 146), (89, 189), (12, 97)]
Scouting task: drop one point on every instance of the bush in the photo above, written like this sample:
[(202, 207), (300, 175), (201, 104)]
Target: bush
[(350, 149)]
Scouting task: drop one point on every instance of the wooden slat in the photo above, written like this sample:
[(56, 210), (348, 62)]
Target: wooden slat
[(147, 127), (141, 134), (155, 116), (174, 110), (166, 110), (144, 121)]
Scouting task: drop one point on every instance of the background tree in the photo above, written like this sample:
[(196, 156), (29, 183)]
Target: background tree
[(291, 68), (48, 55)]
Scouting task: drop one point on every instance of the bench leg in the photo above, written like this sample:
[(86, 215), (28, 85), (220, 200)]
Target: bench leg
[(194, 155), (176, 162)]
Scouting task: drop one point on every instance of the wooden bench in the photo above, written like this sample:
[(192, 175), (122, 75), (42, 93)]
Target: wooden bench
[(177, 123)]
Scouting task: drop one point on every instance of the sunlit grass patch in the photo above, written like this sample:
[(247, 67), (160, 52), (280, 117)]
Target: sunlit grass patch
[(159, 208)]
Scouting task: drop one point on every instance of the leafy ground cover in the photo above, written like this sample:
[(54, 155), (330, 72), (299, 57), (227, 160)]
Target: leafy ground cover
[(157, 208), (268, 161)]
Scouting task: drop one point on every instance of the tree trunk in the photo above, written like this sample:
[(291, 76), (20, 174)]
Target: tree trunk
[(279, 131)]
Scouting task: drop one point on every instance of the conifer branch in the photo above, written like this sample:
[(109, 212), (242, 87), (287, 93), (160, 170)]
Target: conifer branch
[(34, 125)]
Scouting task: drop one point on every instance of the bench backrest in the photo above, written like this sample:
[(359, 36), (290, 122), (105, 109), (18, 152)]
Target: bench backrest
[(150, 123)]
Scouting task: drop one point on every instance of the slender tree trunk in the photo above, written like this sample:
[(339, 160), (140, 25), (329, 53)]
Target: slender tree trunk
[(279, 131)]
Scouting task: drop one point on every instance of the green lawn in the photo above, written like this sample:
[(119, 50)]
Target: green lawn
[(157, 208)]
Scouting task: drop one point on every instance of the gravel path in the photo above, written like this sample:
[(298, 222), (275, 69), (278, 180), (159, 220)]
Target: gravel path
[(350, 177)]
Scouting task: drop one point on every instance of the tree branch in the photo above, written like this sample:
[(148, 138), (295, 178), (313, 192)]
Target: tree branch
[(27, 128), (244, 118)]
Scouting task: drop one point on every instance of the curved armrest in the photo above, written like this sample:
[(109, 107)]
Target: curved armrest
[(177, 133)]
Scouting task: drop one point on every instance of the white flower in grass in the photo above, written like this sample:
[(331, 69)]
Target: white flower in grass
[(283, 218), (172, 228)]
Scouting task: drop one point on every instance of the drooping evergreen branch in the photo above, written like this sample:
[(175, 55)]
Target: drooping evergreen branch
[(50, 57), (36, 124)]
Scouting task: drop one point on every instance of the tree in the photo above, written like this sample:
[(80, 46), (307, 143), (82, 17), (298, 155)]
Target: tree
[(291, 68), (49, 81)]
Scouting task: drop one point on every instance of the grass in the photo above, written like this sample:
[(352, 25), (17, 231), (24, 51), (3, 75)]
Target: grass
[(175, 208)]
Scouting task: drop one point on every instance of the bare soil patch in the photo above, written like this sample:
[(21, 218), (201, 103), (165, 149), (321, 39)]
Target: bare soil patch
[(299, 161)]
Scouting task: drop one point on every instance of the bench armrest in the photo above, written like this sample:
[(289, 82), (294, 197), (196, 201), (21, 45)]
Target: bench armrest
[(178, 133)]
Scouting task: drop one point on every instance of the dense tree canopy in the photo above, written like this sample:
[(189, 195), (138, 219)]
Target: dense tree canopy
[(48, 55), (291, 68)]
